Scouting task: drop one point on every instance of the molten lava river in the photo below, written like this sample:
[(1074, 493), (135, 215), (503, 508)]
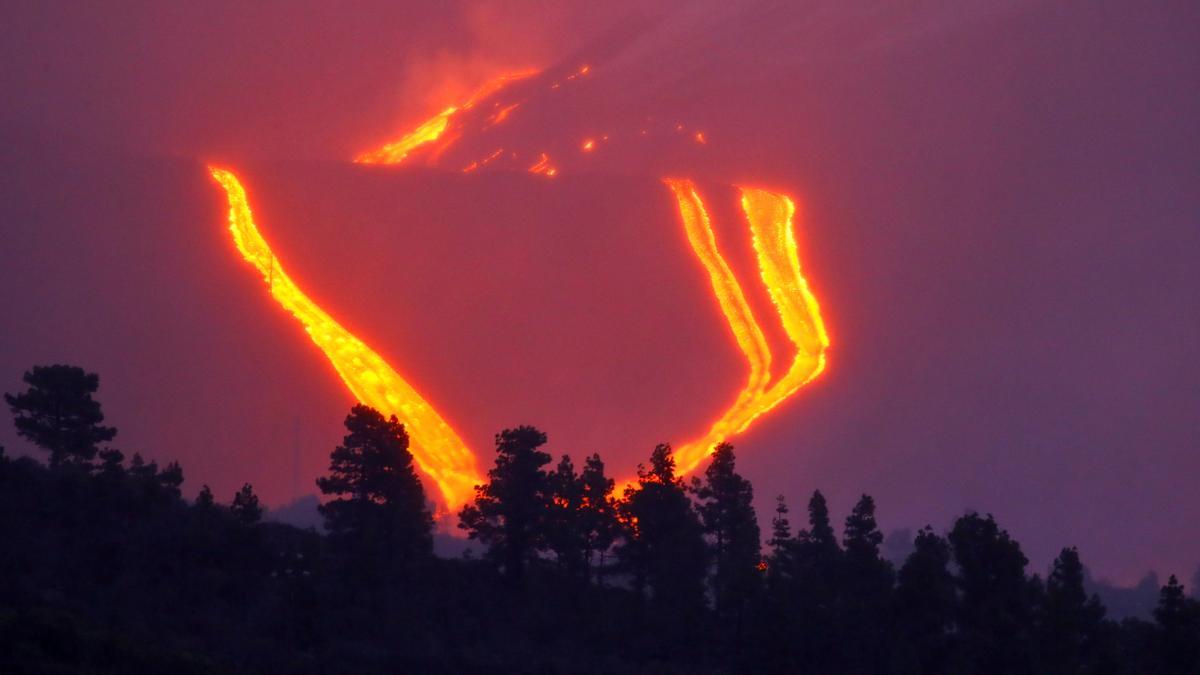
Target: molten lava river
[(439, 450)]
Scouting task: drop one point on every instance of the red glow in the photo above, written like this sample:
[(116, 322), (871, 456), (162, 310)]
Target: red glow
[(433, 128), (436, 446), (770, 218), (439, 451), (544, 167)]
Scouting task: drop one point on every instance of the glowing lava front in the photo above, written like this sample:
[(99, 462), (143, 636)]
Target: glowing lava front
[(436, 447)]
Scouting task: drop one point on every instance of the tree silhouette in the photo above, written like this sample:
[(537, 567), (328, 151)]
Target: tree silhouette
[(726, 506), (141, 469), (866, 583), (112, 462), (861, 538), (925, 605), (775, 621), (811, 581), (1178, 637), (204, 499), (245, 506), (995, 610), (378, 513), (509, 511), (662, 545), (95, 564), (566, 528), (599, 511), (581, 518), (1070, 622), (171, 478), (818, 540), (781, 529), (58, 414)]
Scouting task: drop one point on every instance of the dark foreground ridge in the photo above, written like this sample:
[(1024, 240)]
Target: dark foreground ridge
[(104, 567)]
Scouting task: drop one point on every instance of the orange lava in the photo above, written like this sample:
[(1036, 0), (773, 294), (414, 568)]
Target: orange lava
[(502, 114), (432, 129), (770, 218), (544, 167), (396, 151), (483, 162), (436, 447)]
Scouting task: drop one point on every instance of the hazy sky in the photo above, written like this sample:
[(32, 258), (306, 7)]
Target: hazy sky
[(998, 210)]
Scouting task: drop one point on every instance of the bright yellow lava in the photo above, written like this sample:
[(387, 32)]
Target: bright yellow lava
[(436, 447), (442, 454), (770, 219)]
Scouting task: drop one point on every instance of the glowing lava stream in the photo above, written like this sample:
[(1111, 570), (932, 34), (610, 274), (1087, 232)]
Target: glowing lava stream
[(436, 447), (395, 152), (432, 129), (770, 218)]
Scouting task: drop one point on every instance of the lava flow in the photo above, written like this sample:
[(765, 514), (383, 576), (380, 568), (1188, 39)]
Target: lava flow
[(543, 167), (435, 127), (732, 302), (396, 151), (436, 447), (770, 218)]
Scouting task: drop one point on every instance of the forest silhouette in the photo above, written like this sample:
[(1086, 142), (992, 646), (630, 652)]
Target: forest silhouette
[(105, 567)]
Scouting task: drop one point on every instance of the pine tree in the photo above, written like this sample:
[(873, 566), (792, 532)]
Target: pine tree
[(925, 605), (204, 500), (819, 539), (566, 527), (170, 479), (995, 612), (861, 538), (726, 506), (112, 462), (816, 552), (245, 506), (775, 618), (812, 589), (662, 540), (599, 511), (378, 514), (58, 414), (866, 587), (509, 511), (1070, 622), (781, 528), (141, 469), (1178, 630)]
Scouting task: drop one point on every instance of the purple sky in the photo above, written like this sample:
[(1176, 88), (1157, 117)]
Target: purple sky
[(1000, 215)]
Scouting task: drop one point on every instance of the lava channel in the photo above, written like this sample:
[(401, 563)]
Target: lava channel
[(437, 448)]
